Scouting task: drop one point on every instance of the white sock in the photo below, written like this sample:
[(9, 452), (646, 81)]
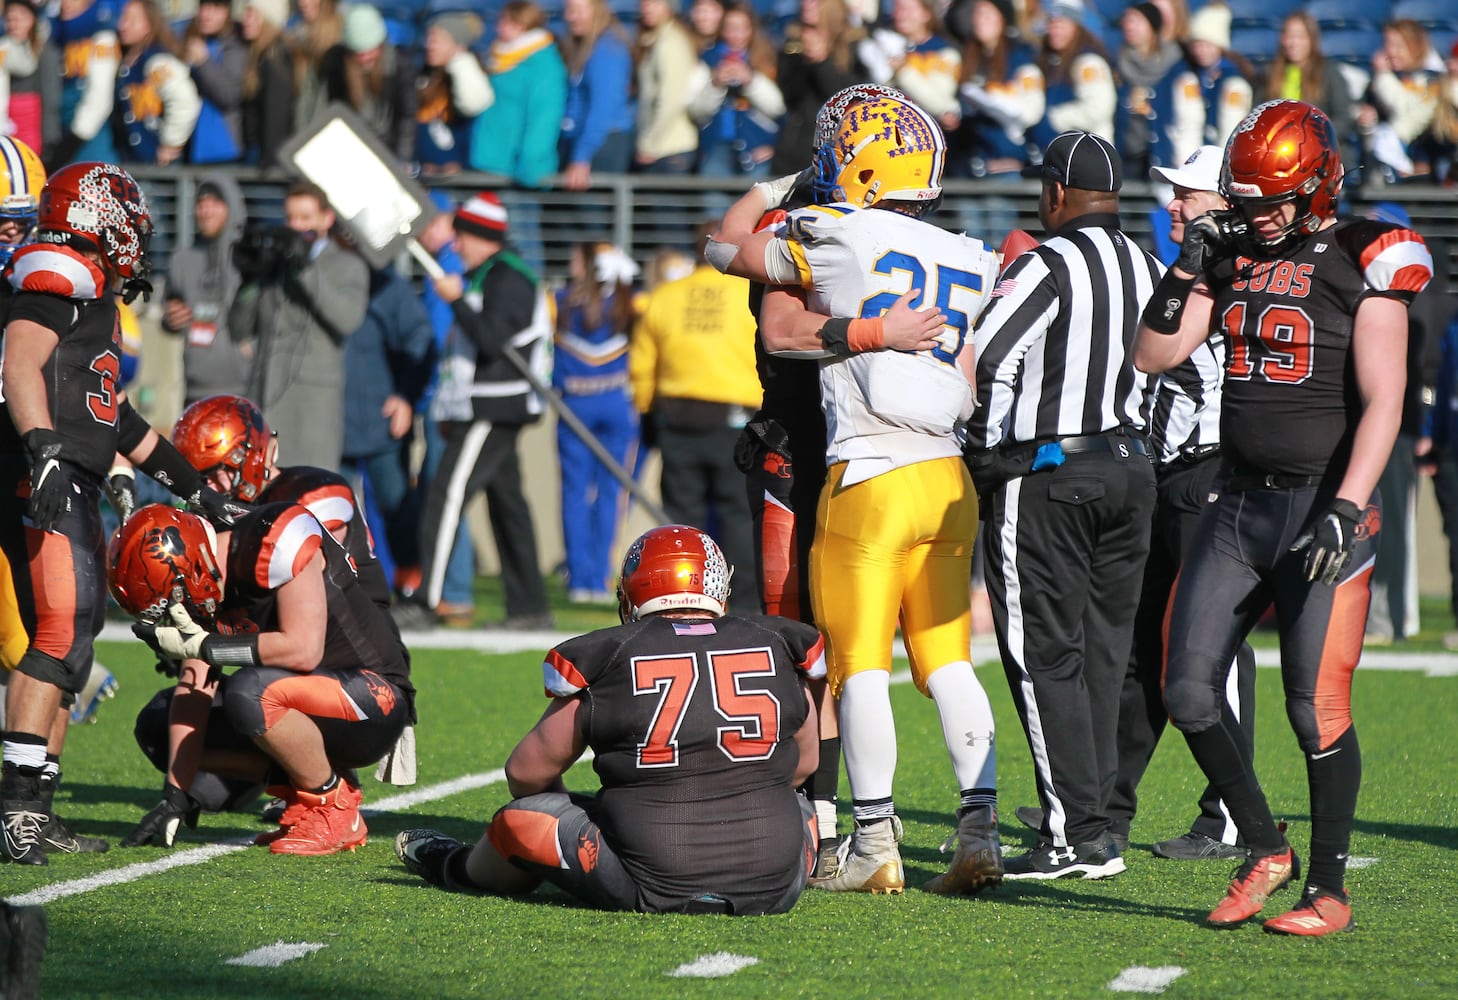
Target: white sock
[(868, 734), (32, 755), (967, 724), (825, 820)]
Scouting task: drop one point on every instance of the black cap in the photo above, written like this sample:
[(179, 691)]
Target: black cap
[(209, 189), (1080, 160)]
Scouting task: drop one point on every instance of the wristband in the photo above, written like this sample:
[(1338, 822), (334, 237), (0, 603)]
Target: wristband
[(131, 428), (1166, 307), (835, 335), (231, 650), (167, 465), (866, 334)]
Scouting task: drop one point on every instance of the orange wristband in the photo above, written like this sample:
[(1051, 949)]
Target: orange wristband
[(865, 335)]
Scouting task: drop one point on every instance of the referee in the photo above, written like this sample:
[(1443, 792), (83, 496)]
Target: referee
[(1058, 453)]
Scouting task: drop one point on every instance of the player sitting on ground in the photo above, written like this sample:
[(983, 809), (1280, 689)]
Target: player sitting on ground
[(702, 729), (322, 683)]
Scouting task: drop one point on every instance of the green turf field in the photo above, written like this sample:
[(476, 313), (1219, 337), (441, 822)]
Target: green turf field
[(376, 931)]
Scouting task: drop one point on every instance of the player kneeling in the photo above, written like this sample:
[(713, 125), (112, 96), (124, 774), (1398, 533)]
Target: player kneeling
[(702, 730), (319, 684)]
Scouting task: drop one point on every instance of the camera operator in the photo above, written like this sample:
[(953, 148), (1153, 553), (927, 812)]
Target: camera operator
[(201, 282), (302, 295)]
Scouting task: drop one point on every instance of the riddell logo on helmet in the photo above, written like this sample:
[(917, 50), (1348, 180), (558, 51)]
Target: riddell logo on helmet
[(1244, 190)]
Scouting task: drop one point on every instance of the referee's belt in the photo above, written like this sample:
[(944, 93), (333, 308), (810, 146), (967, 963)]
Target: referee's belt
[(1115, 442), (1253, 479)]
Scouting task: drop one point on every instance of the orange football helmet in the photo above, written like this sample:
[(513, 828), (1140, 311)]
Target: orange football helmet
[(674, 567), (100, 207), (1283, 151), (227, 432), (160, 556)]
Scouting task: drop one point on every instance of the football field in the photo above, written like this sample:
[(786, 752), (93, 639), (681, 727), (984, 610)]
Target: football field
[(213, 918)]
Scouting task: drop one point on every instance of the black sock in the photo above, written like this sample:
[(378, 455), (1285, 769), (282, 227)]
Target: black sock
[(826, 779), (328, 786), (1333, 776), (1222, 758), (972, 798)]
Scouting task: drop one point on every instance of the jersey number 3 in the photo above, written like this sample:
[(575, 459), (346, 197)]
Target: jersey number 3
[(103, 403), (752, 714)]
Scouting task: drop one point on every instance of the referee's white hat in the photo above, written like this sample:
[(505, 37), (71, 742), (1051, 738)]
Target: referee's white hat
[(1201, 172)]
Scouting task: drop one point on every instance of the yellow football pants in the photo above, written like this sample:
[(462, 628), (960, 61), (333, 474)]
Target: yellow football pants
[(14, 640), (898, 544)]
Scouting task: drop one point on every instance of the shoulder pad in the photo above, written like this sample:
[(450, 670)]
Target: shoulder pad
[(327, 494), (274, 544), (54, 269), (1391, 258)]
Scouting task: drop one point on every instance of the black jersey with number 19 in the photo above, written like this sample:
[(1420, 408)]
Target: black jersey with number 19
[(1289, 323), (693, 723)]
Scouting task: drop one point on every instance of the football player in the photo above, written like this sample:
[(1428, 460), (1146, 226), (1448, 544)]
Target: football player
[(702, 728), (1315, 313), (65, 420), (319, 684), (895, 421)]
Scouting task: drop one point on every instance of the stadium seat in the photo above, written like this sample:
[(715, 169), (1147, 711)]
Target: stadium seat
[(1258, 43), (1336, 15), (1353, 45), (1255, 13), (1434, 15)]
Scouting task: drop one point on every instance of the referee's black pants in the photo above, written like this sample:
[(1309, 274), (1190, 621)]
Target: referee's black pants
[(1183, 490), (1065, 557)]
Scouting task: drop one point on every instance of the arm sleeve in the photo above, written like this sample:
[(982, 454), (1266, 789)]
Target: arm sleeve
[(471, 91), (934, 84), (243, 313), (1188, 128), (676, 61), (338, 285), (764, 94), (608, 71), (1015, 318), (643, 361), (413, 347), (1095, 98), (508, 303), (705, 99), (220, 80), (94, 109), (180, 101), (545, 106), (1235, 104)]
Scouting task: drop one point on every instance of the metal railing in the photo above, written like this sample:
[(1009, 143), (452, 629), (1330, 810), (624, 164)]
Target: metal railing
[(645, 214)]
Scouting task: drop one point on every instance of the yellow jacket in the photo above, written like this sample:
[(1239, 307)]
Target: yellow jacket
[(695, 340)]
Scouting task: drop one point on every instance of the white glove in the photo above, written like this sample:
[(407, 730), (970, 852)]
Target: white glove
[(183, 639)]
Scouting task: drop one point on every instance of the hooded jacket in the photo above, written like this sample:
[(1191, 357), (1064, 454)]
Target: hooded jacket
[(203, 276)]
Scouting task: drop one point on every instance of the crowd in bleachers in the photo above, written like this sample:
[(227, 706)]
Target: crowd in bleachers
[(531, 89)]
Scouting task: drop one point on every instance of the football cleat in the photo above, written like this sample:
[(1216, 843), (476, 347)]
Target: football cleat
[(868, 861), (977, 863), (426, 853), (22, 946), (286, 809), (328, 823), (1320, 912), (827, 860), (24, 815), (56, 835), (1196, 847), (1253, 884), (100, 686), (1092, 859)]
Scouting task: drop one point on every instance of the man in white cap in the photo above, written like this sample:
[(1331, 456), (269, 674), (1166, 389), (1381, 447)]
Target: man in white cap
[(1184, 439)]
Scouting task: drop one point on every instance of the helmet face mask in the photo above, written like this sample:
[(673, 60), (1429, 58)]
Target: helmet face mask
[(886, 149), (1284, 151), (673, 568), (227, 433), (161, 557)]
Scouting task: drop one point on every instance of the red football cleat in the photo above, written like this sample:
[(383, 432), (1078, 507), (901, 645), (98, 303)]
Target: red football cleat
[(1320, 912), (329, 823), (293, 812), (1253, 884)]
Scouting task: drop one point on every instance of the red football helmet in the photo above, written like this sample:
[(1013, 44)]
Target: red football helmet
[(670, 568), (1283, 151), (100, 207), (162, 555), (227, 432)]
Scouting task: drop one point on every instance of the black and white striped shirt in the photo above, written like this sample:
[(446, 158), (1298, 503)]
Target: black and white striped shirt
[(1054, 345), (1185, 416)]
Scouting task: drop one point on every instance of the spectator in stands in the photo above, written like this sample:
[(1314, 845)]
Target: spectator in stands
[(1001, 96), (201, 283), (299, 307), (1225, 77), (735, 98), (1175, 26), (1436, 148), (666, 54), (453, 90), (268, 81), (85, 31), (1161, 113), (388, 362), (1077, 78), (218, 57), (818, 60), (156, 103), (597, 126), (915, 56), (517, 135), (315, 41), (1401, 99), (590, 373), (1301, 72), (705, 16), (34, 65), (376, 80)]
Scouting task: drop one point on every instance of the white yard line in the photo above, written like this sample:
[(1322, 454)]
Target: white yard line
[(1143, 979), (276, 954), (715, 966)]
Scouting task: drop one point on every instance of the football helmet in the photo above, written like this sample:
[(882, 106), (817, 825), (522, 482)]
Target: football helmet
[(99, 207), (227, 432), (160, 556), (832, 112), (674, 567), (21, 182), (885, 150), (1283, 151)]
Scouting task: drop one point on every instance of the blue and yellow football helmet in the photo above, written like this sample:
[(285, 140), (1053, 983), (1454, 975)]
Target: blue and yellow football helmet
[(885, 150), (21, 181)]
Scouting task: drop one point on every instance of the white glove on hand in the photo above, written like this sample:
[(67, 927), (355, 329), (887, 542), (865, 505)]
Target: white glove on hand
[(183, 639)]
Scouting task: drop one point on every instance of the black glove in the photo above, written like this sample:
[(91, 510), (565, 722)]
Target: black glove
[(51, 485), (159, 827), (1328, 542), (220, 511), (1203, 245), (121, 490)]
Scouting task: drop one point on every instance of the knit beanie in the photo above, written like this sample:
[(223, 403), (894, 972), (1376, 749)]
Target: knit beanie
[(464, 27), (275, 12), (364, 28), (482, 215), (1151, 14), (1211, 24)]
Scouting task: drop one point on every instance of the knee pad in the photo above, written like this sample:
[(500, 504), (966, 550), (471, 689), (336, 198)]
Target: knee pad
[(1193, 702), (242, 697), (527, 828), (151, 728)]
